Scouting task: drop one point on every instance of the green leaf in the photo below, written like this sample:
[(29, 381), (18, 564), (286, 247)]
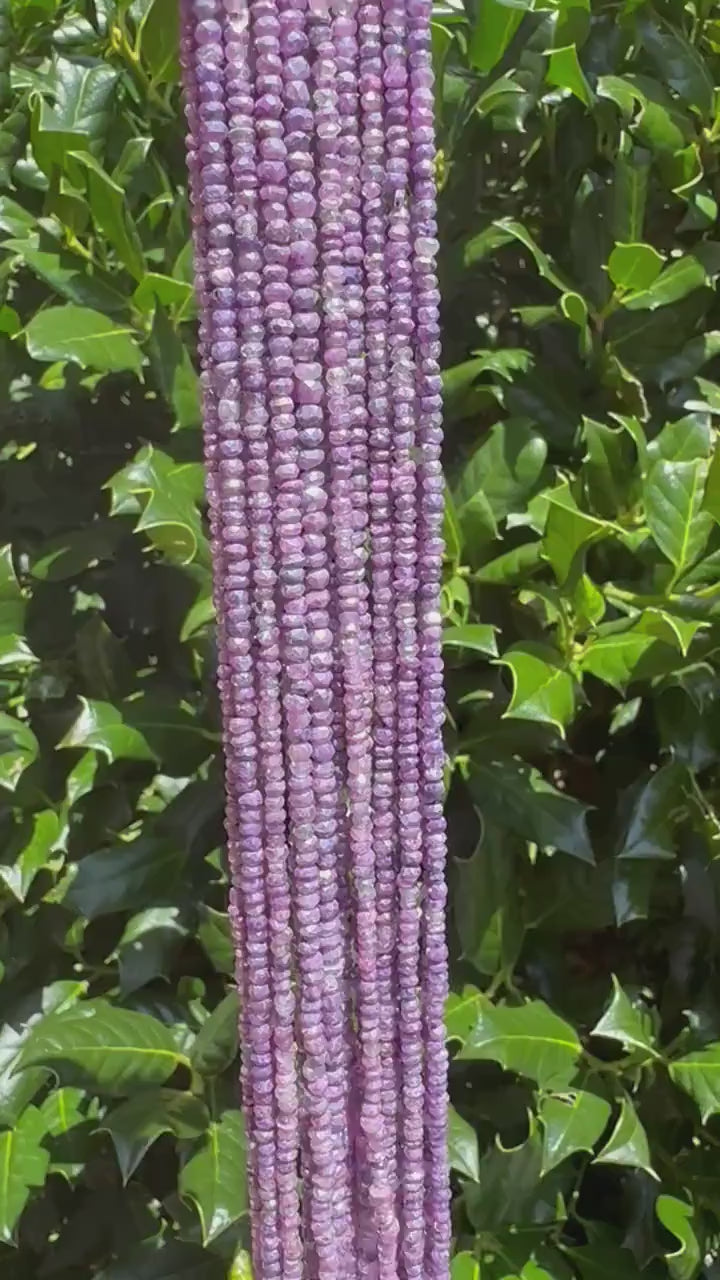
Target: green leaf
[(588, 603), (61, 1110), (452, 534), (18, 749), (494, 28), (124, 878), (84, 337), (23, 1165), (241, 1268), (621, 656), (507, 1193), (82, 95), (465, 1266), (213, 1178), (132, 158), (475, 636), (17, 1089), (675, 282), (597, 1261), (158, 40), (108, 205), (101, 727), (574, 308), (543, 688), (215, 937), (101, 1047), (711, 500), (698, 1073), (630, 185), (629, 1023), (166, 290), (564, 71), (674, 494), (138, 1123), (568, 532), (627, 1144), (571, 1122), (513, 796), (462, 1146), (34, 855), (530, 1040), (15, 219), (165, 494), (79, 116), (685, 440), (677, 1217), (634, 267), (68, 1124), (504, 470), (463, 394), (610, 468), (12, 613), (216, 1043)]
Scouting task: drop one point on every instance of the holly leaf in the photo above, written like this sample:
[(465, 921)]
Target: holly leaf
[(543, 688), (571, 1122), (515, 797), (698, 1073), (677, 1217), (633, 267), (628, 1143), (674, 494), (164, 495), (475, 636), (629, 1023), (528, 1039), (568, 532)]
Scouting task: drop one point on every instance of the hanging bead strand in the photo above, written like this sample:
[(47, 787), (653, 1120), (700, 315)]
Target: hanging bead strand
[(405, 582), (432, 703)]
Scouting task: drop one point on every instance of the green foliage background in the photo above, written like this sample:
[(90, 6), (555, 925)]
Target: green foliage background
[(578, 169)]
